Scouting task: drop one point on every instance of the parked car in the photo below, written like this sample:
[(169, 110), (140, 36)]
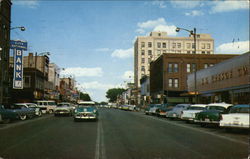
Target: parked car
[(14, 112), (152, 110), (125, 107), (163, 109), (86, 110), (176, 111), (131, 107), (148, 108), (38, 110), (238, 117), (211, 114), (63, 109), (189, 114), (47, 106)]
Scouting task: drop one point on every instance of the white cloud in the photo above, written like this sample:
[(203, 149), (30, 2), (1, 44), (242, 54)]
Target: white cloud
[(159, 24), (128, 75), (95, 86), (194, 13), (186, 4), (233, 48), (161, 4), (229, 5), (103, 49), (30, 3), (83, 72), (122, 54)]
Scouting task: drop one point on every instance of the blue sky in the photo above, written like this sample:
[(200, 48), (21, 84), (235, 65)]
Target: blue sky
[(93, 40)]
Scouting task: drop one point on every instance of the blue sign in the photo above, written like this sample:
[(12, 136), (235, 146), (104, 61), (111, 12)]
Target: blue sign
[(18, 44), (18, 69)]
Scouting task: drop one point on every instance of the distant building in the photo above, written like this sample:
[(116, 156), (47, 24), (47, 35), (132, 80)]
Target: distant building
[(145, 90), (168, 74), (68, 91), (227, 81), (5, 20)]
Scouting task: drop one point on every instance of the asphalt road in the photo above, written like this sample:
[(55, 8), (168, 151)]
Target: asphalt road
[(118, 135)]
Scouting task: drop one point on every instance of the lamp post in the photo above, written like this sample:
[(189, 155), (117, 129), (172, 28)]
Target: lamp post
[(2, 51), (40, 54), (192, 32)]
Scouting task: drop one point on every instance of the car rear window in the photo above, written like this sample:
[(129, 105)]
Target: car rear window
[(240, 110), (216, 108), (196, 108)]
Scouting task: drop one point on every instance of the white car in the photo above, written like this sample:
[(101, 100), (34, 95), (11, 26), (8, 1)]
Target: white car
[(176, 111), (238, 117), (189, 114), (152, 110), (64, 109), (47, 106)]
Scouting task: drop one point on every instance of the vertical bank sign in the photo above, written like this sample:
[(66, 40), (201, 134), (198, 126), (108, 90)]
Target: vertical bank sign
[(18, 48)]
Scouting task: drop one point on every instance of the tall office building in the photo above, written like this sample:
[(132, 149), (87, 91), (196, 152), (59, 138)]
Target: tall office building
[(148, 48)]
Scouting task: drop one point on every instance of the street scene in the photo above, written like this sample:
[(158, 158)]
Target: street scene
[(124, 79)]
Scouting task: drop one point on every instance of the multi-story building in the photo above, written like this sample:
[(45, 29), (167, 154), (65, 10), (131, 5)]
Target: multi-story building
[(68, 90), (227, 81), (5, 20), (35, 79), (168, 74)]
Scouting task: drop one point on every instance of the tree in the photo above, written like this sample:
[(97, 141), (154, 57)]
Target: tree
[(85, 96), (112, 93)]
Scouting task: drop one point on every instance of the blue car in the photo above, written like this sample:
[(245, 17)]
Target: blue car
[(86, 110)]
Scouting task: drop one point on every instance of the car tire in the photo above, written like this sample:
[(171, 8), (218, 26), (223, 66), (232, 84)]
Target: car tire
[(50, 111), (39, 113), (22, 117)]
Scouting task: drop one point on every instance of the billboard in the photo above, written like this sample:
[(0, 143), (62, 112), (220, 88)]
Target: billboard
[(18, 48)]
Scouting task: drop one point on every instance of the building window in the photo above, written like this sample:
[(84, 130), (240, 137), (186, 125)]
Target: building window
[(175, 67), (188, 45), (203, 52), (142, 68), (149, 44), (142, 52), (158, 45), (170, 68), (188, 67), (158, 52), (208, 46), (193, 67), (192, 45), (188, 52), (142, 60), (202, 46), (205, 65), (164, 45), (174, 45), (211, 65), (178, 45), (193, 52), (208, 52), (159, 34), (170, 82), (149, 60), (176, 82), (142, 44), (27, 81), (149, 52)]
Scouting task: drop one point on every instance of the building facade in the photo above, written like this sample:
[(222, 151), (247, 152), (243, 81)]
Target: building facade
[(5, 20), (228, 81), (149, 48), (168, 74)]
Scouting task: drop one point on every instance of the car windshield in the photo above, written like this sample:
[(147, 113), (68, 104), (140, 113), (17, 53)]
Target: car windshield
[(63, 104), (196, 108), (240, 110), (51, 103), (216, 108)]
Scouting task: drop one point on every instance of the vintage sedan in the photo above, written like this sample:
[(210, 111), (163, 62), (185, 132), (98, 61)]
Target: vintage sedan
[(238, 117), (146, 111), (86, 110), (152, 110), (14, 112), (38, 110), (176, 111), (211, 114), (189, 114), (63, 109)]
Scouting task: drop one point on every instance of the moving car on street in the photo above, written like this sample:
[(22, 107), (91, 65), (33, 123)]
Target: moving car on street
[(176, 111), (86, 110), (63, 109), (189, 114), (238, 117), (211, 114)]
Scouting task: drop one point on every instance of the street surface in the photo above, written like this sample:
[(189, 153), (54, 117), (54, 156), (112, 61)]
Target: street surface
[(118, 135)]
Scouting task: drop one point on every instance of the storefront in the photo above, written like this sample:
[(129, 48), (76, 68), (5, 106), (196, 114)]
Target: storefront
[(228, 81)]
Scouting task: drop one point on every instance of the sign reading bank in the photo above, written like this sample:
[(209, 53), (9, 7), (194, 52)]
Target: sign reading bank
[(18, 48)]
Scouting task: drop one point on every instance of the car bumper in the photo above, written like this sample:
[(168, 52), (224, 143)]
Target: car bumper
[(234, 126), (207, 121)]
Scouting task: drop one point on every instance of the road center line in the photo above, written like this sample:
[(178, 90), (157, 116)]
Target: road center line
[(100, 147)]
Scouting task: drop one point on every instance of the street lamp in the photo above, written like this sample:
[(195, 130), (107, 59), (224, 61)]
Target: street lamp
[(40, 54), (192, 32), (22, 28)]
